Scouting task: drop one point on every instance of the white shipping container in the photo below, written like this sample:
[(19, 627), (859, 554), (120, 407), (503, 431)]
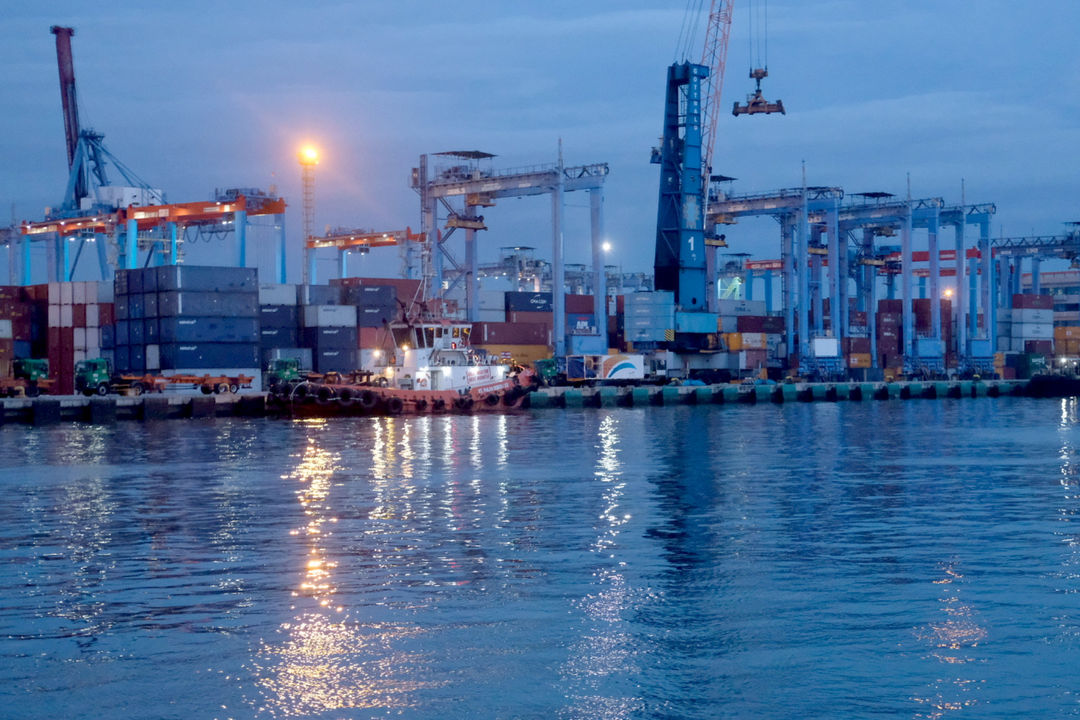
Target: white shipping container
[(67, 296), (740, 307), (78, 355), (80, 293), (330, 316), (277, 294), (66, 316), (1032, 316), (826, 347), (491, 300), (80, 338), (491, 315), (754, 341), (5, 330), (1033, 331), (54, 293), (93, 315), (54, 316)]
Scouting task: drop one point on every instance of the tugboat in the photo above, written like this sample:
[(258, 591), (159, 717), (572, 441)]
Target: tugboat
[(433, 369)]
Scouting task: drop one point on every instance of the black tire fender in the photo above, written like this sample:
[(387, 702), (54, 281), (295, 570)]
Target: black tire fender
[(394, 405)]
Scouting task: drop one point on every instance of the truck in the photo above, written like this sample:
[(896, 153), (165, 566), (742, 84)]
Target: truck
[(95, 377), (30, 377)]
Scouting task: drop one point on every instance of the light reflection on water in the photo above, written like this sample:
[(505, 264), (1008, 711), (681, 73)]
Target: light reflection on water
[(797, 561)]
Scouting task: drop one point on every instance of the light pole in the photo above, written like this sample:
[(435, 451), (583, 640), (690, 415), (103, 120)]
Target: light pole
[(309, 158)]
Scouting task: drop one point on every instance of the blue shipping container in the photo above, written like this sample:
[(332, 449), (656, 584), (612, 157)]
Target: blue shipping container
[(529, 301), (120, 284), (137, 358), (334, 359), (376, 316), (203, 278), (279, 337), (149, 279), (136, 308), (208, 304), (135, 332), (176, 356), (108, 336), (318, 338), (150, 304), (123, 336), (150, 331), (187, 329), (279, 316), (121, 361), (369, 295)]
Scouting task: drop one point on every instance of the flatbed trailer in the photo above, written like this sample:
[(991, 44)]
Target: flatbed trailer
[(213, 384)]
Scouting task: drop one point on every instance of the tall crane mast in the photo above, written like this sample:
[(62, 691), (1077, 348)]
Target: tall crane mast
[(685, 156), (690, 114)]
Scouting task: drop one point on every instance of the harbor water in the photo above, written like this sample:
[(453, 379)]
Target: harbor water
[(916, 559)]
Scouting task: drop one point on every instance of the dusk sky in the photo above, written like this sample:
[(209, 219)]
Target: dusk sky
[(198, 95)]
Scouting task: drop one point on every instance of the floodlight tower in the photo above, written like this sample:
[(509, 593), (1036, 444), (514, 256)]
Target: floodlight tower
[(309, 158)]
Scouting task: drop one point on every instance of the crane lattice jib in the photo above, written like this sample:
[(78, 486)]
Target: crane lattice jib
[(714, 57)]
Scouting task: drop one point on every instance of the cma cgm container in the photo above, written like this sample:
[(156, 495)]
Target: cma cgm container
[(529, 301)]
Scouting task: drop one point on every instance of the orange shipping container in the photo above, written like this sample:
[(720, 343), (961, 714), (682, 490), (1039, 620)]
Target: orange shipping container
[(859, 360), (733, 341), (1067, 332)]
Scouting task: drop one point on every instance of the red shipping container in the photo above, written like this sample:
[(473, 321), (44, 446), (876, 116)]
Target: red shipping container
[(1040, 347), (7, 349), (1007, 373), (524, 316), (857, 345), (890, 306), (508, 333), (10, 294), (620, 304), (857, 318), (106, 314), (1033, 302), (579, 304), (78, 316), (750, 324)]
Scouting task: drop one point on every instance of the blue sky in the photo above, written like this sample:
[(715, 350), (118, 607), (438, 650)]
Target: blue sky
[(199, 95)]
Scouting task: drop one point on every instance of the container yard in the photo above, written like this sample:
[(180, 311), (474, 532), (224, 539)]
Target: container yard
[(862, 290)]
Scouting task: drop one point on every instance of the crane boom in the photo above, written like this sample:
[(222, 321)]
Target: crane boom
[(66, 65), (714, 57)]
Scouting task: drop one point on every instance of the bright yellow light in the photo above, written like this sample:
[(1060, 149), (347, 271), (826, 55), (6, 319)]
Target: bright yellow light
[(405, 348), (606, 247), (309, 155), (948, 292), (377, 353)]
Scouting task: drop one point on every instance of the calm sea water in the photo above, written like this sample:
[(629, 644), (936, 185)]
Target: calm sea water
[(891, 559)]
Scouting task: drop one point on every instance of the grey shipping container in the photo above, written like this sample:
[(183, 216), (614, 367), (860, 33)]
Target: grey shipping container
[(366, 295), (318, 295), (203, 278), (208, 304)]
